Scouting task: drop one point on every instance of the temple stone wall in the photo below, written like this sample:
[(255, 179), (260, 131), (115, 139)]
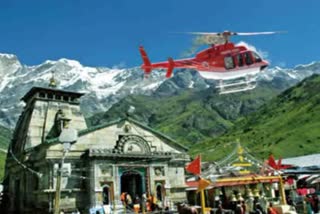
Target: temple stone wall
[(94, 164)]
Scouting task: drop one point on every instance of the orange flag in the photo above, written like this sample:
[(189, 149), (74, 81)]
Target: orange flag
[(203, 183), (195, 166)]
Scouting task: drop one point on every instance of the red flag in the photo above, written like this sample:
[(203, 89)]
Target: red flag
[(195, 166), (279, 163), (272, 162)]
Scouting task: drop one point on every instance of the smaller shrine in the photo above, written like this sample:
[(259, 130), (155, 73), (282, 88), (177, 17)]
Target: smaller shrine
[(239, 181)]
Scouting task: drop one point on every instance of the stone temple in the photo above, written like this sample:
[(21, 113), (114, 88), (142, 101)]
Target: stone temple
[(106, 160)]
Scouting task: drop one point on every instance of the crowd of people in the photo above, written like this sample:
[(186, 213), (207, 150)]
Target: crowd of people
[(234, 204), (257, 205), (137, 204), (238, 205)]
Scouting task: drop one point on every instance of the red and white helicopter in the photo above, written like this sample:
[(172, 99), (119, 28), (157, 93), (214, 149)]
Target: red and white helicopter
[(235, 66)]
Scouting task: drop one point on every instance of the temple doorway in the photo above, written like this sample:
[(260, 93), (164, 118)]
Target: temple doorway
[(106, 195), (160, 191), (132, 183)]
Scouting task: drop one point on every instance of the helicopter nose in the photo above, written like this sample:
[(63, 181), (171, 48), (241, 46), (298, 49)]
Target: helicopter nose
[(264, 65)]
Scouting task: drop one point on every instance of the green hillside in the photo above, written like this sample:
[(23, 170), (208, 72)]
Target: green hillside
[(288, 125), (191, 116)]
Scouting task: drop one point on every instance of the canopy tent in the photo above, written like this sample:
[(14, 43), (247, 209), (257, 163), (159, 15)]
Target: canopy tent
[(244, 180), (304, 169), (239, 168)]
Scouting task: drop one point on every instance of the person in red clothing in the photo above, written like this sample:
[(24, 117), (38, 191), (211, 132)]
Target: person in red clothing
[(123, 197), (271, 209)]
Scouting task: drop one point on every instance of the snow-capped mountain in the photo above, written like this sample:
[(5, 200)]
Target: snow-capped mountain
[(291, 74), (106, 86), (103, 86)]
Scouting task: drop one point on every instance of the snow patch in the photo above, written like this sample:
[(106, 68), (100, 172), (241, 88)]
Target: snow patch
[(71, 63), (9, 56), (102, 93), (152, 86), (292, 75), (191, 85), (306, 65)]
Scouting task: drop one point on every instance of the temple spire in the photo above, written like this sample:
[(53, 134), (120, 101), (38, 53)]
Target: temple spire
[(52, 83)]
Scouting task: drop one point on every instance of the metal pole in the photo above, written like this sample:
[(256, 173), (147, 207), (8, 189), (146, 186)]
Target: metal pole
[(203, 204), (282, 192), (58, 184)]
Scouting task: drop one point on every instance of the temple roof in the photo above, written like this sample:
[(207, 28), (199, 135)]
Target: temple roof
[(167, 139), (152, 155), (34, 90)]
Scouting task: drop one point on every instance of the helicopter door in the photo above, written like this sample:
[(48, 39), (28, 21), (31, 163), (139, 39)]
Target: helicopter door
[(248, 58), (229, 62)]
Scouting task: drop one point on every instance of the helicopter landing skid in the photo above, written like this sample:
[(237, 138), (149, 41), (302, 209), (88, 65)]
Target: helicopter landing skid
[(236, 86)]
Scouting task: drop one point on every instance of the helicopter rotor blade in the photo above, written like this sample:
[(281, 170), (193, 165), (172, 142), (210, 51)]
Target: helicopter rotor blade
[(205, 33), (229, 33), (257, 33)]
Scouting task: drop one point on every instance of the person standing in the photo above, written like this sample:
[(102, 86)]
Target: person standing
[(271, 209), (258, 209), (129, 201), (244, 206), (220, 209), (136, 205), (315, 203), (239, 209), (144, 202), (123, 198)]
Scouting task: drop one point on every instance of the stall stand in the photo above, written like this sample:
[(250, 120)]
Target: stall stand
[(241, 182)]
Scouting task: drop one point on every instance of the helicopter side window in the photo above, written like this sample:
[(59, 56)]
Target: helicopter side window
[(240, 60), (247, 58), (228, 62), (256, 57)]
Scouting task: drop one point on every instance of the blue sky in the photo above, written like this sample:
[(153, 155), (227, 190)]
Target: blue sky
[(108, 32)]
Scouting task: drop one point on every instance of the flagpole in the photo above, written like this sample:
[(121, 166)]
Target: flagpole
[(195, 168), (282, 191), (202, 196), (203, 204)]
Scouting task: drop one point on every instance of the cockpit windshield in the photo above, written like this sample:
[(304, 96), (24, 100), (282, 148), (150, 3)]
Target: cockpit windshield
[(256, 57)]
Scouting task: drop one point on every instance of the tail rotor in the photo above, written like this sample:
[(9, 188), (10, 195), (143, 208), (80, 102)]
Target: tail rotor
[(146, 66)]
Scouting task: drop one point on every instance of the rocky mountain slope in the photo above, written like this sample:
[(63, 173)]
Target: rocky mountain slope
[(189, 116), (106, 86)]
